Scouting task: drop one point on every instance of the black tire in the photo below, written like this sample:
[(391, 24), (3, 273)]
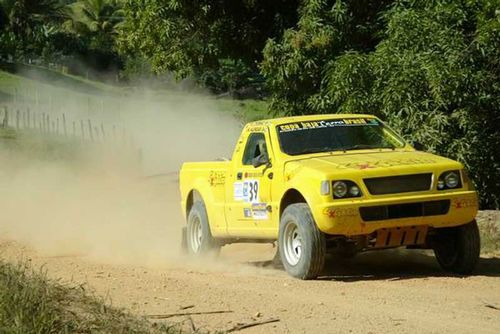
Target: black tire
[(457, 248), (205, 244), (310, 261)]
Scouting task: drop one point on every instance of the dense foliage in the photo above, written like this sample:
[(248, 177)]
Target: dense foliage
[(68, 32), (217, 42), (428, 67)]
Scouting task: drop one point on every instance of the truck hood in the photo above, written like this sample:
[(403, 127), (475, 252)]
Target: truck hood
[(363, 163)]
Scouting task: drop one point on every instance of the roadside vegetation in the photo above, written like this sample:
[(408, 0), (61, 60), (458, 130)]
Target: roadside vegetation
[(32, 303), (489, 228)]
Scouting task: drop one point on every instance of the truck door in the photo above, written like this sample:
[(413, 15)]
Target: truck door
[(248, 201)]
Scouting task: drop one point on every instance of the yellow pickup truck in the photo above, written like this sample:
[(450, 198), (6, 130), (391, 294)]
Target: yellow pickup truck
[(330, 184)]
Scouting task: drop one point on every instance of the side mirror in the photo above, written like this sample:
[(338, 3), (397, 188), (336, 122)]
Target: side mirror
[(260, 160), (418, 146)]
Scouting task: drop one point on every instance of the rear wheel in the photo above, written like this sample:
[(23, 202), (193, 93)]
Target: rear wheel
[(199, 239), (457, 248), (302, 246)]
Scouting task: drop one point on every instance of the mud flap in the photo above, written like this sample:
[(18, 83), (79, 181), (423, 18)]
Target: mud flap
[(276, 261), (184, 247)]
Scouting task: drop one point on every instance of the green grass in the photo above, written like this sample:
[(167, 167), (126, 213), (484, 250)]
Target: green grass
[(7, 134), (32, 303), (246, 110)]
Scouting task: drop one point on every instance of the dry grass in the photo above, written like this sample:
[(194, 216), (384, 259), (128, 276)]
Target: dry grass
[(489, 227), (31, 303)]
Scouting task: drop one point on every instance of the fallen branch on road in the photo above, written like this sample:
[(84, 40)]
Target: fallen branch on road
[(170, 315), (494, 307), (252, 324)]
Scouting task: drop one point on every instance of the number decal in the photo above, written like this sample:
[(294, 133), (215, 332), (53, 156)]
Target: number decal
[(251, 191)]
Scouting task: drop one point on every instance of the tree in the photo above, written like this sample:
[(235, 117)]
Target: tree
[(294, 66), (96, 20), (193, 38), (28, 23), (430, 68)]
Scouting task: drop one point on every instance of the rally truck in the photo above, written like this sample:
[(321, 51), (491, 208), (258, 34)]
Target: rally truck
[(337, 184)]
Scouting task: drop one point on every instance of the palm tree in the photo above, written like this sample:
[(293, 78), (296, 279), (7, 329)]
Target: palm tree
[(98, 17), (23, 15)]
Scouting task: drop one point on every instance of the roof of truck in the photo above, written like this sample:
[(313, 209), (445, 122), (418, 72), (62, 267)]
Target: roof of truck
[(306, 118)]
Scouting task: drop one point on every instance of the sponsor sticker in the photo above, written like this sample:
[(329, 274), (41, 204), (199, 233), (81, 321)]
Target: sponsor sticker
[(216, 178), (238, 191), (247, 212), (463, 203), (340, 212), (259, 211), (326, 124)]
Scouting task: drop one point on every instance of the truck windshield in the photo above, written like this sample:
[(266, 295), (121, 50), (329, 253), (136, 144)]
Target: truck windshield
[(336, 135)]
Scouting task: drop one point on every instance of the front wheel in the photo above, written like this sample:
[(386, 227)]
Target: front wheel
[(457, 248), (302, 246), (199, 240)]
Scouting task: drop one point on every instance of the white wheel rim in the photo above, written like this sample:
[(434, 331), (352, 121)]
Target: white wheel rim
[(195, 234), (292, 244)]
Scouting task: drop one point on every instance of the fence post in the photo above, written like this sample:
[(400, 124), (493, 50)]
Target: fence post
[(82, 129), (90, 130), (48, 123), (29, 118), (5, 122), (43, 122), (97, 137), (64, 124), (103, 133), (17, 119)]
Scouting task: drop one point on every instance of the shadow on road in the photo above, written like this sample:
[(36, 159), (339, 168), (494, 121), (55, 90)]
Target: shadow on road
[(390, 265)]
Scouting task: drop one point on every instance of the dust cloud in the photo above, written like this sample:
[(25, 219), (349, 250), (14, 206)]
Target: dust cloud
[(113, 200)]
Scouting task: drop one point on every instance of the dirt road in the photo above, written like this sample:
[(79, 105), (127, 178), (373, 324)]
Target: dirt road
[(375, 293)]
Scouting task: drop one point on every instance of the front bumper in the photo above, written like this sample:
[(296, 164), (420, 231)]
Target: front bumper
[(344, 217)]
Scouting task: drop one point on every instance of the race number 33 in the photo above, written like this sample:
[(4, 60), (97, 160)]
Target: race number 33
[(251, 191)]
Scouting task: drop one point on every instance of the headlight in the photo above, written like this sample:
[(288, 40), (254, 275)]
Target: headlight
[(339, 189), (354, 191), (345, 189), (449, 180)]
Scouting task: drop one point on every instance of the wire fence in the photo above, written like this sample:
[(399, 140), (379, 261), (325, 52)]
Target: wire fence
[(58, 124)]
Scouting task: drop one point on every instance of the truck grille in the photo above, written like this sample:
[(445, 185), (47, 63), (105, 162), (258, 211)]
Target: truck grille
[(395, 211), (398, 184)]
